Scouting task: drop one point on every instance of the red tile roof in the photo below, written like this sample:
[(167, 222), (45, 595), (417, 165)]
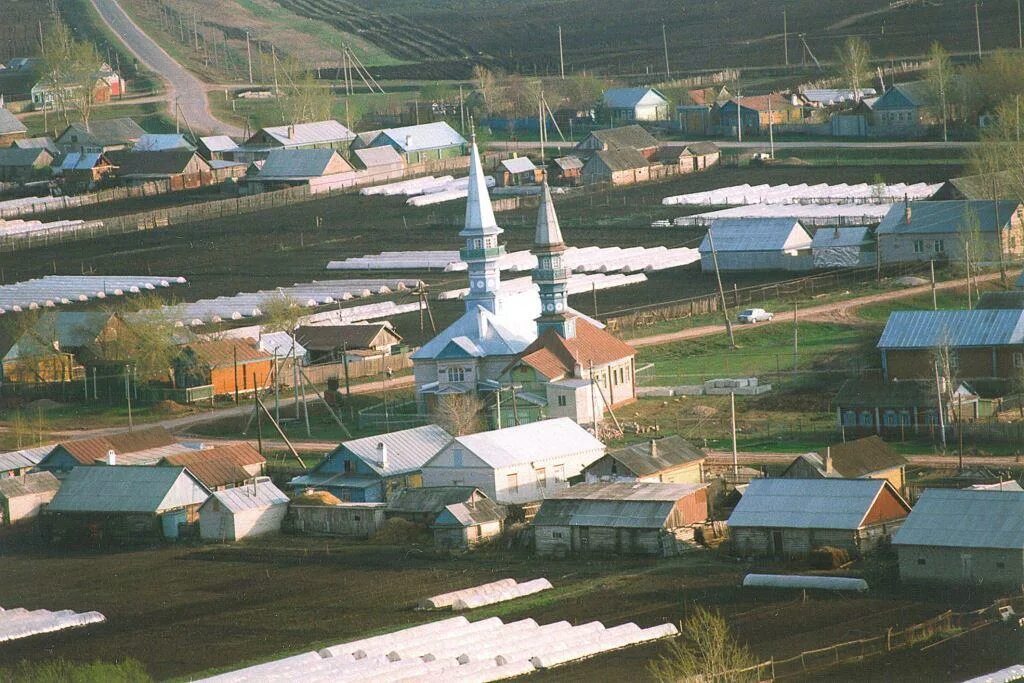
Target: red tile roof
[(555, 357)]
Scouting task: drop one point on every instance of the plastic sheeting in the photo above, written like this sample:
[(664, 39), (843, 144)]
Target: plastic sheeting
[(828, 583), (21, 623), (808, 214), (822, 193), (1010, 673), (448, 599), (57, 290), (577, 284), (490, 597)]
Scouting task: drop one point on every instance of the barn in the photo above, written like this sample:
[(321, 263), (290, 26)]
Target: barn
[(790, 517), (756, 244), (959, 536), (347, 520), (636, 518), (22, 497), (243, 512), (124, 505), (618, 166)]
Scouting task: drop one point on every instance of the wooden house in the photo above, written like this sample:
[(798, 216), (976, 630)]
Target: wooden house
[(183, 169), (68, 455), (329, 343), (101, 135), (669, 460), (21, 498), (24, 165), (376, 468), (285, 167), (230, 366), (742, 244), (423, 142), (124, 505), (902, 110), (221, 467), (106, 85), (627, 518), (897, 408), (327, 134), (964, 537), (632, 137), (248, 511), (943, 230), (787, 518), (865, 458), (754, 113), (11, 128), (58, 345), (634, 104)]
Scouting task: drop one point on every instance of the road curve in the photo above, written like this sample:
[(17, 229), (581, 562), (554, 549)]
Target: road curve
[(181, 84)]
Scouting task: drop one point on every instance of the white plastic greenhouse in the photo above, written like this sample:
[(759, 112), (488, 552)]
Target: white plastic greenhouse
[(808, 214), (448, 599), (822, 193), (21, 623), (56, 290), (828, 583), (578, 284), (481, 598)]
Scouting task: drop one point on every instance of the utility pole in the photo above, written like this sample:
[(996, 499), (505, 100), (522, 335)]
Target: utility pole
[(248, 55), (1020, 34), (771, 128), (732, 424), (561, 54), (960, 430), (796, 338), (127, 395), (664, 42), (739, 117), (785, 36), (721, 292), (977, 28), (935, 303), (462, 111), (938, 394)]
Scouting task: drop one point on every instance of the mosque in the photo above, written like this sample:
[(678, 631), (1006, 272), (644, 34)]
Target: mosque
[(551, 360)]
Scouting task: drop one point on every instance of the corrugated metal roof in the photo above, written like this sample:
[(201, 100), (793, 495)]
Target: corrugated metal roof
[(827, 238), (407, 449), (9, 123), (28, 485), (806, 503), (80, 161), (569, 163), (221, 353), (651, 514), (157, 142), (965, 519), (518, 165), (298, 163), (654, 456), (25, 457), (126, 489), (957, 329), (94, 449), (947, 217), (481, 333), (385, 155), (628, 98), (756, 234), (261, 494), (533, 442), (151, 456), (470, 514), (46, 143), (218, 143), (631, 491), (424, 136), (219, 466), (317, 132)]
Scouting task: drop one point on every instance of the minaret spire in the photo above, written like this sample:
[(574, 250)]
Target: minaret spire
[(480, 232), (551, 276)]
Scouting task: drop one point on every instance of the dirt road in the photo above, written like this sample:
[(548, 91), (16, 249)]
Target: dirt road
[(182, 86), (840, 311)]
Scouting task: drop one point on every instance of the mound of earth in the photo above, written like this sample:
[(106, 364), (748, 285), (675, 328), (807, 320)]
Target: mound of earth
[(910, 281), (171, 408)]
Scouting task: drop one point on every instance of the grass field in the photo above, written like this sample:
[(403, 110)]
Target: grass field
[(152, 116), (254, 601)]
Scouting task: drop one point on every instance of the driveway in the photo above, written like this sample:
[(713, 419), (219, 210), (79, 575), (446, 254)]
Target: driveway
[(182, 85)]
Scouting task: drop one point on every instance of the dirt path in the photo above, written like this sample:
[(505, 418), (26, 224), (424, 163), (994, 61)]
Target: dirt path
[(183, 86), (839, 311)]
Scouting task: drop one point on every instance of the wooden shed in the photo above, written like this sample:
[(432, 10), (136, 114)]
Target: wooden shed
[(670, 460), (866, 458), (348, 520), (567, 170), (618, 166), (21, 498), (329, 343), (463, 525), (247, 511), (638, 518), (229, 365), (788, 518)]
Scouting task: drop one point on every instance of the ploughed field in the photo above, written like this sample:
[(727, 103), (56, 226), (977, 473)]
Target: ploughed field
[(184, 610)]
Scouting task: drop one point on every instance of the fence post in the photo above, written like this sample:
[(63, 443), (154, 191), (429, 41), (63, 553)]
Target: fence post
[(888, 640)]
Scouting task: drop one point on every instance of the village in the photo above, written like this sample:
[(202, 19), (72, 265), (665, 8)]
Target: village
[(380, 354)]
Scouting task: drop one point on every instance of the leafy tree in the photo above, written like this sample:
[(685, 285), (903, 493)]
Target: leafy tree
[(938, 79), (854, 58), (148, 340), (705, 650), (281, 313), (302, 98)]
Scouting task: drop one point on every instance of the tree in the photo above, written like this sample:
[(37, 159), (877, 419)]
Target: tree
[(458, 414), (70, 73), (854, 57), (975, 249), (938, 79), (148, 342), (486, 85), (705, 650), (281, 313), (301, 99)]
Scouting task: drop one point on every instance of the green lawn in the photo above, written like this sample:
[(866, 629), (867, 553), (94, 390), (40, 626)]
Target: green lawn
[(152, 116), (955, 298)]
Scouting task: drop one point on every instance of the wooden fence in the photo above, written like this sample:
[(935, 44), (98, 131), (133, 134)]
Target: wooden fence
[(374, 366)]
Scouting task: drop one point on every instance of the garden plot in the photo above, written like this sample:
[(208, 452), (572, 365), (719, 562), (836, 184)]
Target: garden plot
[(22, 623), (808, 214), (578, 284), (57, 290), (22, 229), (454, 649), (821, 193)]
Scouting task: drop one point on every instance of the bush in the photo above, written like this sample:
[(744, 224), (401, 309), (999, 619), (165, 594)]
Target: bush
[(828, 557)]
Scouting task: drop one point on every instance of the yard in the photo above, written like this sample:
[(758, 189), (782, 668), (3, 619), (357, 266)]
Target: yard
[(251, 602)]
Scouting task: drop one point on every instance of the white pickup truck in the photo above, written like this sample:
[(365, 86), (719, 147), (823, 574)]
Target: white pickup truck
[(755, 315)]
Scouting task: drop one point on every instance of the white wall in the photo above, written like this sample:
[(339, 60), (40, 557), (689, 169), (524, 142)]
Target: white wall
[(225, 525)]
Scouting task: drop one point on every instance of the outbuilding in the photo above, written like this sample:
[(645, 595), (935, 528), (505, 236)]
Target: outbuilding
[(967, 537), (843, 248), (229, 365), (182, 169), (618, 166), (635, 104), (516, 464), (247, 511), (21, 461), (788, 518), (670, 460), (467, 523), (518, 171), (866, 458), (330, 343), (11, 128), (21, 498), (221, 467), (306, 515), (19, 165), (629, 518), (756, 244)]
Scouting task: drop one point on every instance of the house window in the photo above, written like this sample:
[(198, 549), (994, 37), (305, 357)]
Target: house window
[(890, 418), (1000, 565), (918, 246), (542, 477), (850, 418), (512, 483), (457, 457), (920, 560), (940, 246), (456, 374), (556, 534), (348, 467), (562, 401), (866, 418), (1018, 359), (558, 472)]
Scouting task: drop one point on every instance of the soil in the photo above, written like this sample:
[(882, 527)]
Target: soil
[(44, 404)]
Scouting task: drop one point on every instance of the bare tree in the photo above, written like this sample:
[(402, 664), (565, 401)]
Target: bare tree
[(705, 650), (938, 79), (459, 414), (147, 339), (71, 73), (281, 313), (854, 58), (302, 99)]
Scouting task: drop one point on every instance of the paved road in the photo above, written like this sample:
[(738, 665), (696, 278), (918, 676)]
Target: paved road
[(181, 84)]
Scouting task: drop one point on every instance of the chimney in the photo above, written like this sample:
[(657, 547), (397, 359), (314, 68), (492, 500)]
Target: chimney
[(408, 141), (291, 131), (382, 452), (654, 448), (836, 234), (111, 457), (906, 209), (828, 461)]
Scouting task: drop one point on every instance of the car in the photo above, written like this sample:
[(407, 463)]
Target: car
[(755, 315)]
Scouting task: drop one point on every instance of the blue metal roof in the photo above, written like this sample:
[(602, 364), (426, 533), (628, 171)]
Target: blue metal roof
[(952, 216), (957, 329), (628, 98), (756, 234)]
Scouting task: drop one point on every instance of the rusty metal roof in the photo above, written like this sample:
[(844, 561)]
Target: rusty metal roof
[(637, 505), (222, 353), (219, 466), (91, 450)]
